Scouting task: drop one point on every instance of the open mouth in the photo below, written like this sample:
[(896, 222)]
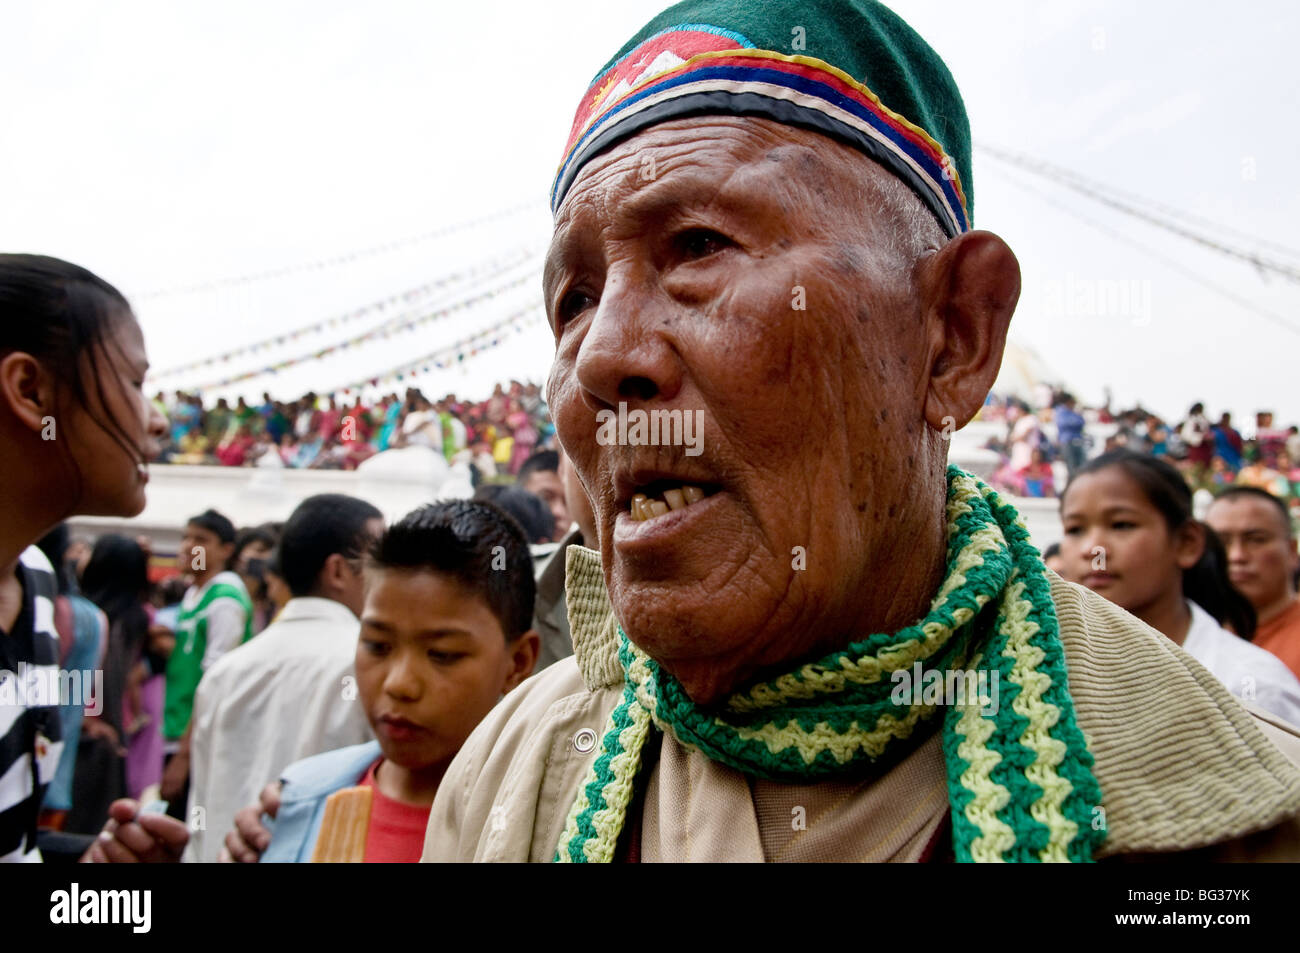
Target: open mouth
[(661, 497)]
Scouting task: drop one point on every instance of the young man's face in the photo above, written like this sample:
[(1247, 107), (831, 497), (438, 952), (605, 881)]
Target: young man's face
[(203, 551), (1261, 553), (432, 660), (547, 486)]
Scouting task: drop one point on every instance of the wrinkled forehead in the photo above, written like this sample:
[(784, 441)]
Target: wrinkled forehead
[(739, 164)]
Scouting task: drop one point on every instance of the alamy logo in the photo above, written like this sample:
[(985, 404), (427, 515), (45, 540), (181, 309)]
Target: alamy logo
[(655, 428), (35, 686), (102, 906), (935, 687)]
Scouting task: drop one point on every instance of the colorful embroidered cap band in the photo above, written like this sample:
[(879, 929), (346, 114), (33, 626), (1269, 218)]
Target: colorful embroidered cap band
[(849, 69)]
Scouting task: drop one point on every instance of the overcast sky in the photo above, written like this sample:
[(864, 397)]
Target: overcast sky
[(165, 145)]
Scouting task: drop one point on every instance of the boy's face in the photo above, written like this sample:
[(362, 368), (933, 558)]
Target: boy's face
[(432, 660), (203, 550)]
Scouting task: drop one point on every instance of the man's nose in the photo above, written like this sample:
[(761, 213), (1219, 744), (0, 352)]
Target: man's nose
[(624, 355)]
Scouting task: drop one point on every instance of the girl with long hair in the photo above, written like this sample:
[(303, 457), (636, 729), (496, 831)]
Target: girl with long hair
[(76, 433)]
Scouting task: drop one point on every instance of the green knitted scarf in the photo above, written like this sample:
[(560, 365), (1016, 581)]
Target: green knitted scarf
[(1020, 780)]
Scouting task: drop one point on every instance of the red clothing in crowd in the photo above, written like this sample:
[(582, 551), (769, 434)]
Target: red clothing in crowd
[(1281, 636), (396, 834)]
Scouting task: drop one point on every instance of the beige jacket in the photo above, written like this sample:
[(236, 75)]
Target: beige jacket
[(1183, 767)]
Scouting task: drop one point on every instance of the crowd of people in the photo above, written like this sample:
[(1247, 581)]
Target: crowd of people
[(340, 431), (177, 716), (337, 689), (281, 663), (1045, 445)]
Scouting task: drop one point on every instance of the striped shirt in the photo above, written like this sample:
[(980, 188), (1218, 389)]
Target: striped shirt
[(30, 735)]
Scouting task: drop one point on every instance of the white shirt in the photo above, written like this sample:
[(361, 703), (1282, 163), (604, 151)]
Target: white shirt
[(285, 695), (1251, 673)]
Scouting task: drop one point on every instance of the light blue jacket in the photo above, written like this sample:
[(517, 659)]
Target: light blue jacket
[(307, 783)]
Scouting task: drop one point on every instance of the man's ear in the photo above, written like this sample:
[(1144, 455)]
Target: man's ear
[(969, 288), (26, 389), (333, 575), (523, 656)]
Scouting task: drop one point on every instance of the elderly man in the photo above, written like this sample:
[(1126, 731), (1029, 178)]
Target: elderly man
[(762, 227)]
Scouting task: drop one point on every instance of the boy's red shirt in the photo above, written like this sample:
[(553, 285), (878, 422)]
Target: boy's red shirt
[(396, 834)]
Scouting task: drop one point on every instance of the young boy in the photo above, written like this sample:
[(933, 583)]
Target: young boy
[(445, 632)]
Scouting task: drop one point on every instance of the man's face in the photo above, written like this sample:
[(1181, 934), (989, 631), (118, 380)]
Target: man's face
[(549, 488), (354, 586), (204, 550), (738, 270), (1261, 554)]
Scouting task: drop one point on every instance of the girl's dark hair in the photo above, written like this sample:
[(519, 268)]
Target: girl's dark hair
[(117, 580), (54, 545), (1205, 583), (57, 312)]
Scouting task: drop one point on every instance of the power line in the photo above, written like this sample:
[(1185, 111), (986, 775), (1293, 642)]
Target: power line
[(323, 263), (1170, 210), (1094, 191), (1167, 261), (489, 269), (387, 329)]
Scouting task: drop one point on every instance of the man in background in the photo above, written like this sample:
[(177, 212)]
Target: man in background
[(291, 692), (540, 476), (1262, 563)]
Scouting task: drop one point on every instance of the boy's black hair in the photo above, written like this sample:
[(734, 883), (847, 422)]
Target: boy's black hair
[(254, 534), (533, 516), (1052, 550), (473, 542), (214, 522), (540, 461), (320, 526), (1255, 493)]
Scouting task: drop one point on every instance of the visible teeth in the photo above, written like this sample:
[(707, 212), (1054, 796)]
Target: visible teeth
[(644, 508)]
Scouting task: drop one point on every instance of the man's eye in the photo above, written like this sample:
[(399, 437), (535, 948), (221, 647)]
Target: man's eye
[(573, 304), (1073, 530), (444, 658), (375, 648), (700, 243)]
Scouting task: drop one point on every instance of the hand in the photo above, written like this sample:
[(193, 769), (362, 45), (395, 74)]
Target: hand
[(133, 838), (250, 837), (174, 776), (92, 727)]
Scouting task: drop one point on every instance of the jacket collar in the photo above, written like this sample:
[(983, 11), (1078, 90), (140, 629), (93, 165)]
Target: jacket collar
[(1181, 764), (307, 608), (325, 773)]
